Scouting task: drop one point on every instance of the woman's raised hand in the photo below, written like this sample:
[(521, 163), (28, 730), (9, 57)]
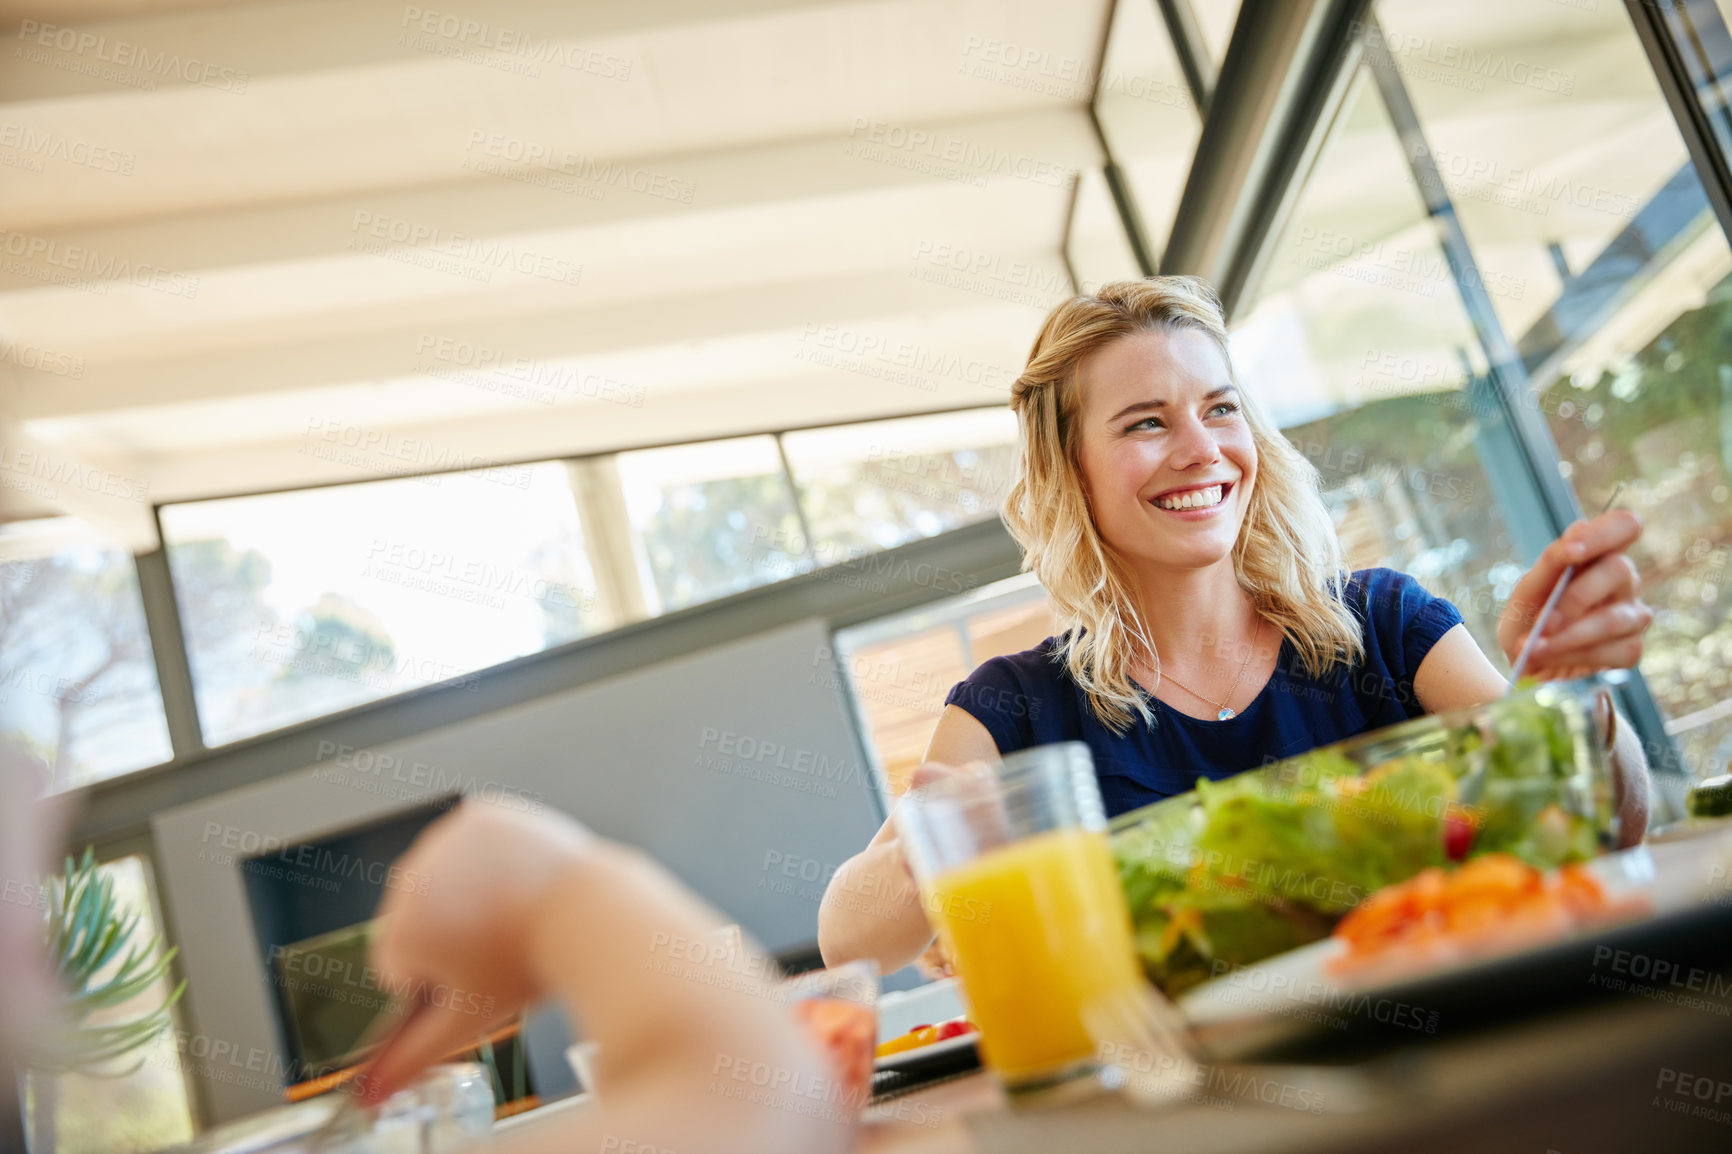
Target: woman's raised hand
[(1599, 622)]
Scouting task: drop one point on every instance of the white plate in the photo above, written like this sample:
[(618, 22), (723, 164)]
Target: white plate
[(1295, 993), (930, 1050)]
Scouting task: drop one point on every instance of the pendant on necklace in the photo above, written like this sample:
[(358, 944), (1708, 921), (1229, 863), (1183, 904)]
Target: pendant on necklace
[(1225, 714)]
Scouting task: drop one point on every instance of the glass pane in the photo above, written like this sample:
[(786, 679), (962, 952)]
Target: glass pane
[(1656, 411), (877, 485), (1215, 20), (898, 688), (1354, 301), (899, 669), (1705, 44), (1573, 185), (1699, 29), (1548, 130), (147, 1108), (1359, 345), (79, 680), (1147, 115), (711, 519), (302, 603)]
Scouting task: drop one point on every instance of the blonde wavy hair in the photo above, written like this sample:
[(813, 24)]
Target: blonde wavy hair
[(1287, 556)]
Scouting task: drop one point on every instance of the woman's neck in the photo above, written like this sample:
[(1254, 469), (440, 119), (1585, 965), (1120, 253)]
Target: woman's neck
[(1198, 619)]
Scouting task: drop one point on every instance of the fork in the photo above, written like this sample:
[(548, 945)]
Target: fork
[(1148, 1024)]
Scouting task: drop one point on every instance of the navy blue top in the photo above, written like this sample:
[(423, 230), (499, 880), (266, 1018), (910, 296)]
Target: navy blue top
[(1029, 698)]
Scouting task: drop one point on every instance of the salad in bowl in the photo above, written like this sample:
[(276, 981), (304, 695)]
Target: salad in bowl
[(1271, 859)]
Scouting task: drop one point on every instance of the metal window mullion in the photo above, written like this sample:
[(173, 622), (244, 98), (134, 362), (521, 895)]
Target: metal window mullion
[(169, 651), (797, 494), (1507, 376), (1277, 88), (1289, 176), (1194, 58), (1678, 87), (1136, 236), (608, 540), (1547, 504), (1129, 218)]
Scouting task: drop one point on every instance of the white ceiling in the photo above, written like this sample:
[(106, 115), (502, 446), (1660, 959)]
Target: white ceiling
[(324, 258)]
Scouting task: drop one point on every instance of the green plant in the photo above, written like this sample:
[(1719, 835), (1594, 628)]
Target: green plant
[(87, 932)]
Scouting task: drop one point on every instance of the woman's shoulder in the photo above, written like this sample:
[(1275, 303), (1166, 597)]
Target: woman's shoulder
[(1401, 617), (1384, 595), (1380, 585), (1016, 694), (1378, 579)]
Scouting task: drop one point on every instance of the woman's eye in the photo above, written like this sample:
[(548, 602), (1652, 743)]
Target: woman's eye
[(1224, 409), (1146, 423)]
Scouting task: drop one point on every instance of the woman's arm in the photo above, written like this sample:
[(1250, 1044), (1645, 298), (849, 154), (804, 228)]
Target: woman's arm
[(871, 909)]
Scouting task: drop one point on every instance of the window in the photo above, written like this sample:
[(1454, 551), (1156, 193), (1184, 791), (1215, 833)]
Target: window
[(298, 604), (1656, 411), (712, 519), (1548, 131), (79, 681), (1359, 344), (302, 603), (1609, 272), (881, 484)]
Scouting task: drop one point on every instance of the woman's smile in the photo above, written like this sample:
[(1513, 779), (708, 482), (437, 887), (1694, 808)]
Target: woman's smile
[(1194, 502)]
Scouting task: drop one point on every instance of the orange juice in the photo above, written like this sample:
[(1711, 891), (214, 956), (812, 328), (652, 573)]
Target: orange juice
[(1037, 930)]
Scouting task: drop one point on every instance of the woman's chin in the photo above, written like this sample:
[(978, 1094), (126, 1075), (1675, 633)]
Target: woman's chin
[(1185, 554)]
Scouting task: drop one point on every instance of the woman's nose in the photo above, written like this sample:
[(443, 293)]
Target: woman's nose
[(1194, 444)]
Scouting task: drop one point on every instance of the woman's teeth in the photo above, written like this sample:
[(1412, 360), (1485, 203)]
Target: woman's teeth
[(1195, 499)]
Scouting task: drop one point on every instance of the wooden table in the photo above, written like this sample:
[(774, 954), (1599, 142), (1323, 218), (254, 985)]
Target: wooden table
[(1590, 1079), (1593, 1078)]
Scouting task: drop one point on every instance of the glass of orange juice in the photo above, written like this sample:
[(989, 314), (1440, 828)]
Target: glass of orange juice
[(1017, 876)]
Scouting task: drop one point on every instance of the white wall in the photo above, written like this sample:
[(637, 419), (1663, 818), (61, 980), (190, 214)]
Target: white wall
[(629, 756)]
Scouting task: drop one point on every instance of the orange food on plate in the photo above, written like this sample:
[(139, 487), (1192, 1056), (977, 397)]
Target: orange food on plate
[(845, 1031), (1493, 902), (924, 1036)]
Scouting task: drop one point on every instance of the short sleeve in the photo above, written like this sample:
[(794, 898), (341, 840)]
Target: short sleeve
[(1404, 619), (995, 696)]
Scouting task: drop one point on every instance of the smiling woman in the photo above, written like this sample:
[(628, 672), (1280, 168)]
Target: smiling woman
[(1132, 420), (1208, 624)]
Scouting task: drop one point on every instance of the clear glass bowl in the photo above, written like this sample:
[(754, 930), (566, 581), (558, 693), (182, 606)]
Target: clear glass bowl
[(1270, 859), (838, 1008)]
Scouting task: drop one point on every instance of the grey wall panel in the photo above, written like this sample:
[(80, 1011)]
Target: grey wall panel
[(715, 763)]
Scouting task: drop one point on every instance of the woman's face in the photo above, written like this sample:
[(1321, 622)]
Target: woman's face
[(1167, 456)]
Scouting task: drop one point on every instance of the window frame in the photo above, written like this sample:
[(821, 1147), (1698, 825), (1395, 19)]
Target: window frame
[(167, 634)]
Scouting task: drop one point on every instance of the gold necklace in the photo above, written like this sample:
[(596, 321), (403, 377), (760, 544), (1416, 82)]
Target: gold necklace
[(1224, 711)]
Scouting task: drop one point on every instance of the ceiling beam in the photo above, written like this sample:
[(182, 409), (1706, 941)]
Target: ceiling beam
[(109, 493)]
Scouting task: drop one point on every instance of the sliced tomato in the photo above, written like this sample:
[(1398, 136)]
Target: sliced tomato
[(1458, 834)]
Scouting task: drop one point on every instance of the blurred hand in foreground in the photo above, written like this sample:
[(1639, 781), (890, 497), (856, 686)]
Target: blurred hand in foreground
[(494, 909)]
